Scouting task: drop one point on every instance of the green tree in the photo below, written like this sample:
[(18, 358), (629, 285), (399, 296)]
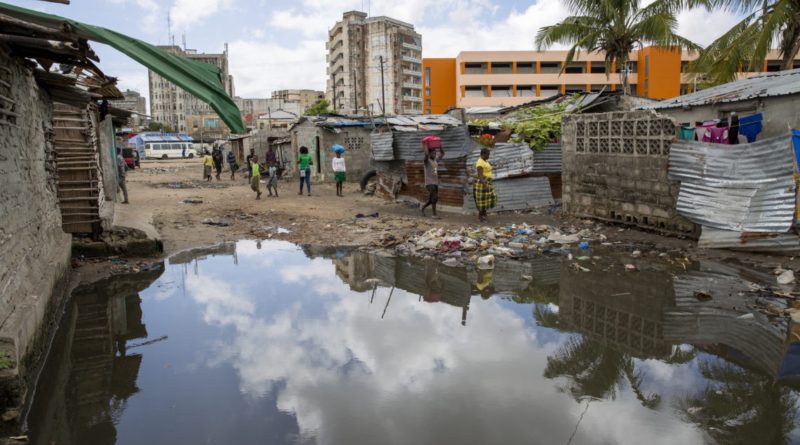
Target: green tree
[(616, 28), (321, 107), (746, 44)]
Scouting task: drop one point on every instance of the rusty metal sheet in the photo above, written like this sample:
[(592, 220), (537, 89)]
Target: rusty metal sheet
[(787, 243), (744, 188), (452, 181), (382, 149), (455, 142), (518, 194)]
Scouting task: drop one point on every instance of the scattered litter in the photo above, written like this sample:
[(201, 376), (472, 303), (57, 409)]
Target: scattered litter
[(694, 409), (371, 215), (215, 222), (636, 253), (748, 316), (579, 268), (795, 315), (193, 201), (282, 231), (621, 294), (486, 262), (786, 277), (584, 245), (451, 262), (630, 267)]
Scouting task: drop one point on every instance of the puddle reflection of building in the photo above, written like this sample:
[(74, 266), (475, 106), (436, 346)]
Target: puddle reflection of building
[(91, 371), (434, 282), (194, 256)]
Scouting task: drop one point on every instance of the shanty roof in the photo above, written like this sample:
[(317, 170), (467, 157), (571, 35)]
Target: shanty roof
[(199, 79), (278, 115), (780, 83)]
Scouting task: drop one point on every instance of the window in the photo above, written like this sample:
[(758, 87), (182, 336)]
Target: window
[(646, 66), (427, 103), (353, 142), (502, 91), (476, 91), (598, 68), (427, 91), (569, 89), (773, 65), (526, 90), (428, 77), (475, 68), (501, 68), (549, 90), (550, 67), (526, 68), (575, 68)]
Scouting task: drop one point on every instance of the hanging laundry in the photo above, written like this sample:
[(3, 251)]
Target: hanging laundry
[(716, 135), (687, 133), (700, 128), (751, 126), (733, 134)]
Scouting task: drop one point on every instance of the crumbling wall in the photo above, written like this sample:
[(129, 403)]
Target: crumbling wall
[(35, 250), (615, 168)]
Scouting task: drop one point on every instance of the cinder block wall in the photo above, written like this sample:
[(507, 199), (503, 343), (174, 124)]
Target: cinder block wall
[(615, 169), (35, 250)]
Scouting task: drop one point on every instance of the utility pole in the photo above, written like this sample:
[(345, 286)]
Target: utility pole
[(333, 82), (383, 89)]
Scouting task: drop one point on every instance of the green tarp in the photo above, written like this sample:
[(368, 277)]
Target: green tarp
[(200, 79)]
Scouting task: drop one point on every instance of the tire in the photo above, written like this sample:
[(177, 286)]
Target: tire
[(366, 178), (163, 156), (191, 155)]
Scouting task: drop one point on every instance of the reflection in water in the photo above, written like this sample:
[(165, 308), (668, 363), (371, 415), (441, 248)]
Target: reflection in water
[(281, 345)]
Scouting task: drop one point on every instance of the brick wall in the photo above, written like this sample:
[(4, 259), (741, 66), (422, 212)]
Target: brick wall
[(35, 250), (615, 168)]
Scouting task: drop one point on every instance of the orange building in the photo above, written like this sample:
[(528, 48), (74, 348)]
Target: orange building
[(439, 85), (509, 78)]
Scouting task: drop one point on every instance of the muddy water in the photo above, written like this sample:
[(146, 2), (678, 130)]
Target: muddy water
[(259, 343)]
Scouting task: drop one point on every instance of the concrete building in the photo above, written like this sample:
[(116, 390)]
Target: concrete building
[(509, 78), (319, 133), (135, 103), (356, 45), (170, 105), (305, 98)]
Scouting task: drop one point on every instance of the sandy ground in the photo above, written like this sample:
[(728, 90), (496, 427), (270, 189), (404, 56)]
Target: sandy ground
[(159, 189)]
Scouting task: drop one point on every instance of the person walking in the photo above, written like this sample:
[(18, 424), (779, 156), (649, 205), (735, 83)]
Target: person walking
[(483, 188), (249, 161), (122, 172), (218, 161), (232, 164), (272, 184), (430, 166), (208, 163), (339, 169), (304, 163), (255, 176)]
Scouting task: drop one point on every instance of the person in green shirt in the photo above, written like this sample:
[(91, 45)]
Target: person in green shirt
[(255, 176), (304, 163)]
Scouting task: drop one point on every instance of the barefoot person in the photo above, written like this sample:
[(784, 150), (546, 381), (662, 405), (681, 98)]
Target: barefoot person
[(430, 165), (232, 164), (339, 169), (304, 163), (255, 176), (272, 184), (483, 188)]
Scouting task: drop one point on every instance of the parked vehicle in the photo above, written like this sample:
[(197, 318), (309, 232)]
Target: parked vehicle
[(153, 145)]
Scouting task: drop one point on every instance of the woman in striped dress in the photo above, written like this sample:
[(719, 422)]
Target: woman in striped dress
[(483, 188)]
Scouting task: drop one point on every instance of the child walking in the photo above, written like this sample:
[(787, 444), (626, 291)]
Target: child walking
[(339, 169), (232, 164), (255, 176), (304, 162), (273, 178), (208, 163)]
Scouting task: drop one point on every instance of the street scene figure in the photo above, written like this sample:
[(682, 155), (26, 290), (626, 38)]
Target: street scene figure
[(217, 155), (339, 168), (233, 164), (272, 184), (483, 187), (304, 163), (249, 161), (208, 164), (255, 176), (432, 147), (122, 172)]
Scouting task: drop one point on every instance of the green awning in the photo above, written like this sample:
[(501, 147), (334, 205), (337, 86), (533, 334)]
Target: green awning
[(199, 79)]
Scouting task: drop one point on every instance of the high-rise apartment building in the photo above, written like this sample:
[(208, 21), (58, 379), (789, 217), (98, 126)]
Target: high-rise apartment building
[(358, 49), (171, 105), (135, 103), (508, 78), (304, 98)]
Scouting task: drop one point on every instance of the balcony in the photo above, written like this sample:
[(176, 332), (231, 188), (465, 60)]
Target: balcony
[(413, 86), (412, 73), (412, 98), (412, 46), (411, 59)]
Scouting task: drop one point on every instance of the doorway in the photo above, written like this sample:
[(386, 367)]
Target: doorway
[(318, 159)]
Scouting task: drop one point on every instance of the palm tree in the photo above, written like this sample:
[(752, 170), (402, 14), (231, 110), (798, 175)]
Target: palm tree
[(746, 44), (617, 27)]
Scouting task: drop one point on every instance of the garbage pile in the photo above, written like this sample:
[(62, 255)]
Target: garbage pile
[(473, 245)]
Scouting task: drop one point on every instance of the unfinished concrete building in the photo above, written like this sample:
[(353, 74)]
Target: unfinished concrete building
[(170, 104), (356, 47)]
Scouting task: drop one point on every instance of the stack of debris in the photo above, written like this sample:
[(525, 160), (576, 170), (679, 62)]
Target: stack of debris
[(743, 196)]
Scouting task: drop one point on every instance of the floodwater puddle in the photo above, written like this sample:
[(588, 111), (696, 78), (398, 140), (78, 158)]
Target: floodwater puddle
[(253, 343)]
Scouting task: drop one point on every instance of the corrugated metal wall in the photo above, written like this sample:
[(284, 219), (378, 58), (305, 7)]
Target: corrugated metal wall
[(455, 142), (452, 180)]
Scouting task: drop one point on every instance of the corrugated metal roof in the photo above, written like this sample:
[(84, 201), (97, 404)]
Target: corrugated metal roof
[(518, 194), (455, 142), (711, 238), (382, 146), (746, 188), (766, 85), (424, 119)]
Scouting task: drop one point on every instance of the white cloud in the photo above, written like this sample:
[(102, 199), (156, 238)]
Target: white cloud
[(703, 27), (259, 67), (185, 13), (151, 20)]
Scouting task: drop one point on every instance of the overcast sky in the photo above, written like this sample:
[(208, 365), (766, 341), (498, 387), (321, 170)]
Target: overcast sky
[(277, 44)]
